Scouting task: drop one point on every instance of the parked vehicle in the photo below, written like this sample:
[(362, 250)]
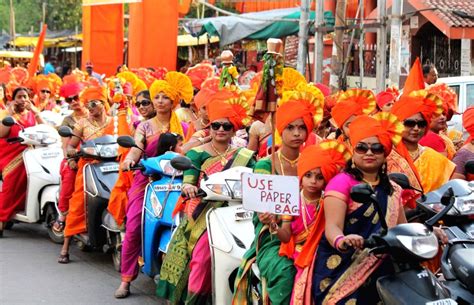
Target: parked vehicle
[(161, 196), (42, 159), (229, 228)]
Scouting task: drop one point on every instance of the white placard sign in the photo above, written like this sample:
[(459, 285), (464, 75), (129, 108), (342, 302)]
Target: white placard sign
[(271, 193)]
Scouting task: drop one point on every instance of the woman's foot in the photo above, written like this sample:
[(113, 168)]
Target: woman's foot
[(123, 291), (63, 258)]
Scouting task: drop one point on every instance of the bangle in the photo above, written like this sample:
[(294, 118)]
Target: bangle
[(273, 228), (337, 240)]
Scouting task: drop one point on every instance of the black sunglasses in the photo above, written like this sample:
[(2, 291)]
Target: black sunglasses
[(226, 126), (72, 98), (45, 91), (412, 123), (376, 148), (143, 103), (93, 104)]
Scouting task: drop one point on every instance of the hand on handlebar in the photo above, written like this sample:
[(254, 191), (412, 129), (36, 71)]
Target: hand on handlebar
[(351, 240), (441, 235), (72, 164), (190, 191), (71, 153), (127, 164)]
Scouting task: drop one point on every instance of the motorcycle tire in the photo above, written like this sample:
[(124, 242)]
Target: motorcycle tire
[(83, 247), (117, 251), (50, 217)]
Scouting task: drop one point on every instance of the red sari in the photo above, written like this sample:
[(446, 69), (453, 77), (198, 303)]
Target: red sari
[(13, 192)]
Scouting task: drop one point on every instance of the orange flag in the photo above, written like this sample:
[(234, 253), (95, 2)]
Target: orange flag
[(415, 78), (38, 50)]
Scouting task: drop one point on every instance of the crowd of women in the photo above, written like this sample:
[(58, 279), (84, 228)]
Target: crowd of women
[(331, 142)]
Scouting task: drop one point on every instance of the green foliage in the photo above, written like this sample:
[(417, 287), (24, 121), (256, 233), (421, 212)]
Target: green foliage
[(193, 11), (60, 15)]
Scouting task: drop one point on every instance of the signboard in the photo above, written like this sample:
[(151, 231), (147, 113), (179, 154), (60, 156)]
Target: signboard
[(271, 193)]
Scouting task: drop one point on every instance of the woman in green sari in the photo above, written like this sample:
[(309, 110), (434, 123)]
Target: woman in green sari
[(185, 275), (294, 121)]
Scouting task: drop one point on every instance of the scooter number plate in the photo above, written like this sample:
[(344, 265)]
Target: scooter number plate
[(167, 187), (443, 302), (109, 168)]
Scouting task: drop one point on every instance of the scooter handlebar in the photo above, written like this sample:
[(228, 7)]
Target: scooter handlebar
[(135, 168)]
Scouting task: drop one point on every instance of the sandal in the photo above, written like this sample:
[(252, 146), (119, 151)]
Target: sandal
[(121, 293), (63, 258), (58, 226)]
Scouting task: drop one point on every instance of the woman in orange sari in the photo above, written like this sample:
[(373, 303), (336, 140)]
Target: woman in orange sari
[(317, 165), (12, 169)]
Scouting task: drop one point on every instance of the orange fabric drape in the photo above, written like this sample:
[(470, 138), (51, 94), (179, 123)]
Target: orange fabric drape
[(103, 30), (153, 34)]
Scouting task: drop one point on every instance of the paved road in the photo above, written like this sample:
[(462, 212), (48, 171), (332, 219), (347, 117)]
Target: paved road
[(29, 274)]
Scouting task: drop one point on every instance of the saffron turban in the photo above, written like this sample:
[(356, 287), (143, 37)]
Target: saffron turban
[(352, 102), (293, 110), (419, 101)]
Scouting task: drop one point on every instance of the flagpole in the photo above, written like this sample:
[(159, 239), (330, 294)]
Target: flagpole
[(12, 23)]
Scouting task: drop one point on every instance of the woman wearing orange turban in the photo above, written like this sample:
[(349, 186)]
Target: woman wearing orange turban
[(349, 105), (190, 253), (317, 165), (340, 270), (97, 124), (46, 87), (295, 120), (425, 168), (466, 152)]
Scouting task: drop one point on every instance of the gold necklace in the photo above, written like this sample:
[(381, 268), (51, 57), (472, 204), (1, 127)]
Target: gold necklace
[(414, 155), (163, 127), (305, 213), (372, 183), (291, 162), (221, 155)]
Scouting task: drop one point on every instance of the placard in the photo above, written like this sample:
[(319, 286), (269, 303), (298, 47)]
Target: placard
[(271, 193)]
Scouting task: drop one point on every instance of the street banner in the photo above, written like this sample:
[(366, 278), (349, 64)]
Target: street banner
[(105, 2), (271, 193)]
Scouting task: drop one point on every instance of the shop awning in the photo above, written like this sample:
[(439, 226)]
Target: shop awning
[(189, 40), (61, 42), (261, 25)]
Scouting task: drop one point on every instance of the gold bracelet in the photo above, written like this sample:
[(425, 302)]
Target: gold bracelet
[(273, 227)]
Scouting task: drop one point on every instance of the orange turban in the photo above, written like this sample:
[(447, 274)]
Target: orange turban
[(468, 122), (220, 109), (384, 126), (97, 94), (353, 102), (293, 110), (207, 96), (384, 97), (176, 86), (331, 156), (44, 84), (418, 102)]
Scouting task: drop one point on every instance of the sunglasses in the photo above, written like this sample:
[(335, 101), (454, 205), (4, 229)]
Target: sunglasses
[(45, 91), (93, 104), (376, 148), (412, 123), (226, 126), (69, 100), (143, 103)]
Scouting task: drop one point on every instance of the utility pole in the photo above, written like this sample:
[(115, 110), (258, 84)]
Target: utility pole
[(12, 22), (338, 50), (395, 42), (381, 46), (303, 37), (361, 46), (318, 42)]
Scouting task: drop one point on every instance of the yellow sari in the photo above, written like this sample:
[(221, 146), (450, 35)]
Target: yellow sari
[(434, 169)]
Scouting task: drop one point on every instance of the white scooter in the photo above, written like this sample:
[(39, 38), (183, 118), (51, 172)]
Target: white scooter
[(229, 228), (42, 161)]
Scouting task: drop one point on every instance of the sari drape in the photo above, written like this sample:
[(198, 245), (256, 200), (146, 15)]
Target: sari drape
[(434, 169), (12, 169)]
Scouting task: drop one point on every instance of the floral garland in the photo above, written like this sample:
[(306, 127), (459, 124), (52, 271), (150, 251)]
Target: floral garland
[(228, 77), (273, 71)]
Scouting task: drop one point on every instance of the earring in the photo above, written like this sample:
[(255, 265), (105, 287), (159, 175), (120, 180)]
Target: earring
[(353, 164), (384, 168)]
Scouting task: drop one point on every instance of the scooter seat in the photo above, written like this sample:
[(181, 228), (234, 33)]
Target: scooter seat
[(463, 267)]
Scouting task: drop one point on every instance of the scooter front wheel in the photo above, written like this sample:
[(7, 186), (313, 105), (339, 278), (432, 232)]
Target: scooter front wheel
[(117, 252), (51, 215)]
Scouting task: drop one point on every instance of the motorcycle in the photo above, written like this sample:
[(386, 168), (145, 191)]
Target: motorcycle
[(161, 195), (407, 245), (99, 180), (229, 228), (456, 262), (42, 160)]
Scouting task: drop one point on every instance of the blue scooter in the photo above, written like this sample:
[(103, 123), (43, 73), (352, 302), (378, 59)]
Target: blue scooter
[(161, 195)]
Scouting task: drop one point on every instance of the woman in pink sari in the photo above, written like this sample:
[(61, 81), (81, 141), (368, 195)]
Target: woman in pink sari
[(316, 166), (12, 169)]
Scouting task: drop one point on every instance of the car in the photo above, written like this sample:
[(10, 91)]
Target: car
[(464, 88)]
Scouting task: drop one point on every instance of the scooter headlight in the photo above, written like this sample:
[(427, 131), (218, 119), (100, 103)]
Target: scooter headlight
[(423, 246), (91, 151), (236, 188), (220, 189), (108, 150)]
